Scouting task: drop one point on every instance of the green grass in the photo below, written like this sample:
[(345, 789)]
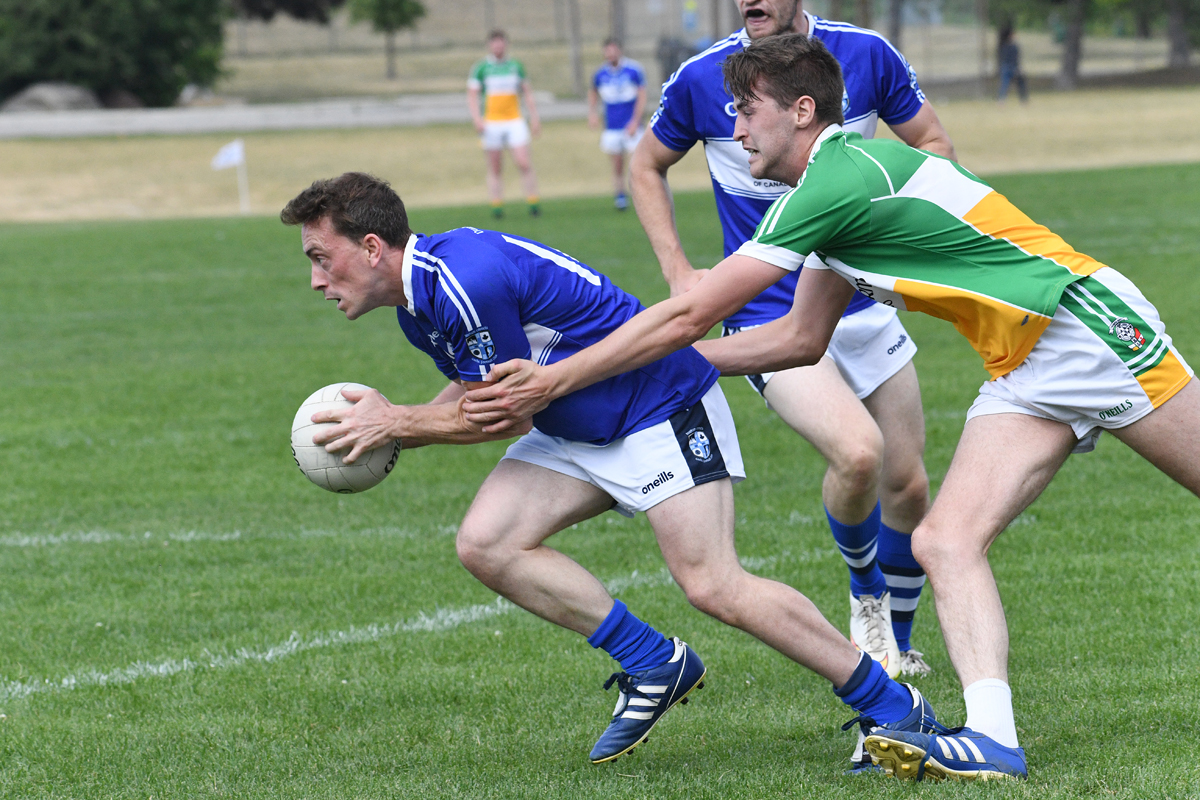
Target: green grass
[(152, 521)]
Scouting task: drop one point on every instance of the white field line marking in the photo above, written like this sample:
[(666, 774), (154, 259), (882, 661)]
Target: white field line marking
[(103, 537), (438, 621)]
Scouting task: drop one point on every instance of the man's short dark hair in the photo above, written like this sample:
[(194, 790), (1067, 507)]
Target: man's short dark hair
[(613, 40), (497, 33), (355, 204), (790, 66)]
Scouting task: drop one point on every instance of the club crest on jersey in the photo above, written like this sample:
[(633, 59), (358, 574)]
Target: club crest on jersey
[(1124, 330), (845, 102), (479, 343), (700, 445)]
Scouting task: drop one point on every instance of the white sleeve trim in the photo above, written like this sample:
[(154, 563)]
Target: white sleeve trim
[(773, 255)]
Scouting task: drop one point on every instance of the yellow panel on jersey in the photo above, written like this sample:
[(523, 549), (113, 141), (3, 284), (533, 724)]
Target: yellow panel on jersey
[(1002, 334), (501, 108), (996, 216)]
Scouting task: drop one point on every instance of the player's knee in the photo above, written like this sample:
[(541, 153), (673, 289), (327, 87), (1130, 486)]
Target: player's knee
[(907, 496), (714, 595), (477, 550), (940, 552), (858, 463)]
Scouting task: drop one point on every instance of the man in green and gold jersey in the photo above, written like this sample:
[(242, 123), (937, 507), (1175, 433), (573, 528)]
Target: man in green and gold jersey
[(494, 90), (1072, 346)]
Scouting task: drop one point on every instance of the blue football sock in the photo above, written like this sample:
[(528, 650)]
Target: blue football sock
[(858, 544), (635, 645), (873, 694), (905, 579)]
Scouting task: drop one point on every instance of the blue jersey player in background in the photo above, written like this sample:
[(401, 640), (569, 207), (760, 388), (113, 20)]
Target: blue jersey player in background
[(620, 85), (659, 439), (860, 406)]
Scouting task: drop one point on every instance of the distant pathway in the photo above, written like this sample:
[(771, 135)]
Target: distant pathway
[(405, 110)]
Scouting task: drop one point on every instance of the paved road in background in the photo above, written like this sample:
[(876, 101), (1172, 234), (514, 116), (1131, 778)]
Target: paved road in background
[(405, 110)]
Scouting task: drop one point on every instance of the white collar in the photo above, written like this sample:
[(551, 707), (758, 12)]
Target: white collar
[(406, 267), (822, 138)]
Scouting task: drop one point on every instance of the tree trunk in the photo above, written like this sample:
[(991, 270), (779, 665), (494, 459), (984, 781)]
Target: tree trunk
[(389, 46), (1177, 34), (1068, 74), (865, 7), (895, 22), (489, 16), (573, 28), (618, 21)]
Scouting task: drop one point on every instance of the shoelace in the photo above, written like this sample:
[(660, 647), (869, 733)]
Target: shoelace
[(912, 662), (872, 609), (624, 682)]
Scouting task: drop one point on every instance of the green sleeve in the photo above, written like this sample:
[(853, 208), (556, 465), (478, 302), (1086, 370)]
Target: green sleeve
[(476, 74), (830, 206), (521, 71)]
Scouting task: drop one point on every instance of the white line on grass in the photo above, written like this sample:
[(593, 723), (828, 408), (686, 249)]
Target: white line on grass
[(104, 537), (437, 621)]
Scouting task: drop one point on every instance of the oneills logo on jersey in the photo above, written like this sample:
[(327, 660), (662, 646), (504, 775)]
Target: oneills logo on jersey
[(699, 445), (1126, 332), (479, 342), (437, 340)]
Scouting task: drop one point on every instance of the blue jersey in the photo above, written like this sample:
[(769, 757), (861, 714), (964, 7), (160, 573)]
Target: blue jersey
[(618, 88), (880, 85), (477, 298)]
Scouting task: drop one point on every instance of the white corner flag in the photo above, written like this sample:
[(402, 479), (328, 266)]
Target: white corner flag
[(234, 155)]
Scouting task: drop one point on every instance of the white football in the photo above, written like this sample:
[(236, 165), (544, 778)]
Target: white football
[(326, 469)]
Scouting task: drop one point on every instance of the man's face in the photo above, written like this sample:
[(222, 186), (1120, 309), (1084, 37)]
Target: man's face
[(341, 269), (766, 132), (612, 53), (769, 17), (498, 45)]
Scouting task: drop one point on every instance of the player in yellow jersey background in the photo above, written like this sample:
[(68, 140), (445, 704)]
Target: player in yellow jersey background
[(494, 90)]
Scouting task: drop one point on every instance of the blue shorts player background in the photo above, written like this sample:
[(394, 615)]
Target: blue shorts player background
[(620, 86), (694, 107)]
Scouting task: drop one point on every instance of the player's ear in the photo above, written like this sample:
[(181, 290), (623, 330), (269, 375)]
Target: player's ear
[(374, 247), (805, 109)]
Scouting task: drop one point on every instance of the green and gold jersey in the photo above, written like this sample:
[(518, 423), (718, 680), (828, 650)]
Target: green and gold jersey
[(500, 83), (918, 232)]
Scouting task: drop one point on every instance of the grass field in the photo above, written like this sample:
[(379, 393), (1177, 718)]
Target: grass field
[(183, 615), (442, 165)]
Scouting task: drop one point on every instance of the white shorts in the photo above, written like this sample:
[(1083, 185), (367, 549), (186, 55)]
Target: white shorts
[(697, 445), (499, 135), (615, 142), (868, 347), (1105, 361)]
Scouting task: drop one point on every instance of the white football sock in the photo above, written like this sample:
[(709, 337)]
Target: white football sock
[(989, 710)]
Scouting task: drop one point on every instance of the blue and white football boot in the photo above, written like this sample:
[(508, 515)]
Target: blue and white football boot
[(949, 754), (643, 700), (921, 719)]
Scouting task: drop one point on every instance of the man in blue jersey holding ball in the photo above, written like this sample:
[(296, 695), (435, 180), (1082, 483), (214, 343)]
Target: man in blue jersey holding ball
[(659, 439), (860, 406)]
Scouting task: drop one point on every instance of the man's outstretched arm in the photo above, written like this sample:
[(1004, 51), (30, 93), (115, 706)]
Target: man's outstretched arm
[(660, 330), (798, 339)]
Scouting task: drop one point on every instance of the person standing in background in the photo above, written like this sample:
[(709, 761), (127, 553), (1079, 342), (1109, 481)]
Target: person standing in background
[(620, 84), (1008, 56), (494, 91)]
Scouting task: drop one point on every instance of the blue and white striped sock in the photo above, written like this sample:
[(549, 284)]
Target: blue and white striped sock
[(905, 579), (858, 545)]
